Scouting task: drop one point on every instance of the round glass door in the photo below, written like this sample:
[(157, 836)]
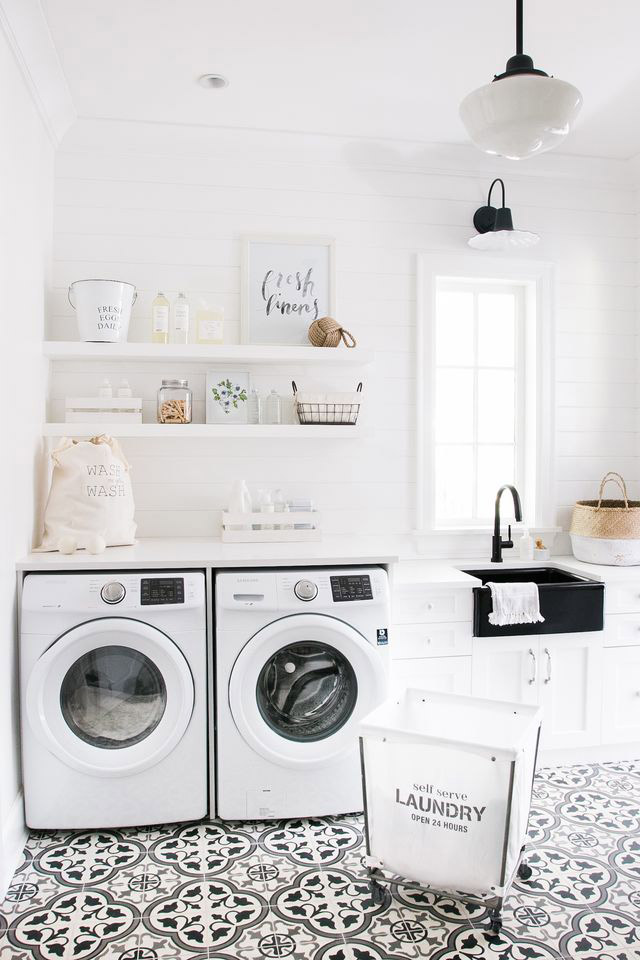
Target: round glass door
[(299, 687), (113, 697), (307, 691)]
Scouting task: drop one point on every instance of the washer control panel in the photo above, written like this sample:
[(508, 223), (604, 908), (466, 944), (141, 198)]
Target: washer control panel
[(161, 590), (113, 592), (305, 590), (351, 587)]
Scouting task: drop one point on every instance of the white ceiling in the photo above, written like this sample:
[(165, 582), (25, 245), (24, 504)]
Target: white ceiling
[(367, 68)]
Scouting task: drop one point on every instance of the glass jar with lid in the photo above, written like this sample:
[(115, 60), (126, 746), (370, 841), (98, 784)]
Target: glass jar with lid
[(174, 402)]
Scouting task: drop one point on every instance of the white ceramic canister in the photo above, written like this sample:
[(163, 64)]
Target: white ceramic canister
[(103, 309)]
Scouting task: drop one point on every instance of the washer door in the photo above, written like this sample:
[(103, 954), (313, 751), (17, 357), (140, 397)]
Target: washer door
[(111, 697), (300, 686)]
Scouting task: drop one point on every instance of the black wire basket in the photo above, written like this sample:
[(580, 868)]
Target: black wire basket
[(327, 411)]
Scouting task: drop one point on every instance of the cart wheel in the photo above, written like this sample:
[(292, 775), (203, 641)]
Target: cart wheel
[(377, 891), (495, 922), (524, 871)]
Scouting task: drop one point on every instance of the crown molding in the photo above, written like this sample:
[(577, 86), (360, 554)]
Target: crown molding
[(24, 24)]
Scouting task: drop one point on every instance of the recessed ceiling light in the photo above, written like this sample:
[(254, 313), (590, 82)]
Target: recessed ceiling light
[(213, 81)]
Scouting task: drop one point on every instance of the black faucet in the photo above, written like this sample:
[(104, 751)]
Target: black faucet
[(497, 543)]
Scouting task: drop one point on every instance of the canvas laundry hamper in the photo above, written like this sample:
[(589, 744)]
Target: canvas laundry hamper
[(447, 782), (607, 531)]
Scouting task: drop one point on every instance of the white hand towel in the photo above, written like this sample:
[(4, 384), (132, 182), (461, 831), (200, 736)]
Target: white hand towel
[(514, 603)]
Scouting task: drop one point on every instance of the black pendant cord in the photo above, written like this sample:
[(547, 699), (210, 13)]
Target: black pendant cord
[(520, 63), (519, 27), (501, 182)]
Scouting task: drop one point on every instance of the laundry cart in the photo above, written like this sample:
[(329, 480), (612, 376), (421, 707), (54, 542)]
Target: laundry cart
[(447, 784)]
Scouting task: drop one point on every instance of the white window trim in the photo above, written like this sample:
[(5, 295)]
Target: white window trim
[(539, 279)]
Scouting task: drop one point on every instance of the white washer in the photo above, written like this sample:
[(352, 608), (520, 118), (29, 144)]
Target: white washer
[(114, 698), (301, 657)]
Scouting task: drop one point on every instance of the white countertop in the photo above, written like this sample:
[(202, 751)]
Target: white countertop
[(205, 552), (164, 553)]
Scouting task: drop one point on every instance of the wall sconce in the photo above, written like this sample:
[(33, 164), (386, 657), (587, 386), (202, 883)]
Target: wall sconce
[(495, 227)]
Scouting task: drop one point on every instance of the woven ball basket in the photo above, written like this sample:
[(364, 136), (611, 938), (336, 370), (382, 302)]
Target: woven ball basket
[(607, 519)]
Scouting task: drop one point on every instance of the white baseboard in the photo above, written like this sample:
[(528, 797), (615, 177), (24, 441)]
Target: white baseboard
[(600, 754), (14, 837)]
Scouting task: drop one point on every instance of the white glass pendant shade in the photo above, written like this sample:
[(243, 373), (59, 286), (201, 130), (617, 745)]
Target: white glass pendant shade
[(521, 115), (496, 240)]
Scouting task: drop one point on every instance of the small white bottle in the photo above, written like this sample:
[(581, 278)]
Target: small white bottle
[(279, 505), (105, 389), (254, 407), (181, 320), (265, 505), (240, 502), (124, 390), (525, 546), (274, 408), (160, 319)]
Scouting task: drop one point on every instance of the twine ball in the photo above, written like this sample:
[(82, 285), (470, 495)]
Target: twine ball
[(327, 332)]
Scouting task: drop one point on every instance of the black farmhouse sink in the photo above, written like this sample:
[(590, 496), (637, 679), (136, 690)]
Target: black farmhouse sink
[(568, 603)]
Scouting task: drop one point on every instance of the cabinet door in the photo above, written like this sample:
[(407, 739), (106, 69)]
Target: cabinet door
[(570, 680), (621, 695), (443, 674), (506, 668)]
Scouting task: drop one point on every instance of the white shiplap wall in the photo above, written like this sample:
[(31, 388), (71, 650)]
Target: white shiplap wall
[(165, 207)]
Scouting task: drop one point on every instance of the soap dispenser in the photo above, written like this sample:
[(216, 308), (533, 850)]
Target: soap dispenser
[(525, 545)]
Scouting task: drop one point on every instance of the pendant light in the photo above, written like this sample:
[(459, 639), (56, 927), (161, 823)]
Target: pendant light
[(523, 111), (495, 227)]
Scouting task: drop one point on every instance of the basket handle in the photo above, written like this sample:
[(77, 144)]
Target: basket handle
[(359, 387), (295, 389), (616, 478)]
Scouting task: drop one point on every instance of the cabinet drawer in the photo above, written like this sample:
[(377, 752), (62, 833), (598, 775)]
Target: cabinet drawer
[(432, 640), (622, 630), (621, 699), (443, 674), (411, 605), (622, 597)]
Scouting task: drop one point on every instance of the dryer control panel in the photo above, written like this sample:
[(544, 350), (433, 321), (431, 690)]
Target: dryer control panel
[(302, 590)]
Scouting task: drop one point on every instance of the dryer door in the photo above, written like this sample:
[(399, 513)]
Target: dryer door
[(111, 697), (300, 686)]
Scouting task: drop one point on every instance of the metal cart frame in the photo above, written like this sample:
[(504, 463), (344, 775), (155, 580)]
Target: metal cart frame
[(523, 871)]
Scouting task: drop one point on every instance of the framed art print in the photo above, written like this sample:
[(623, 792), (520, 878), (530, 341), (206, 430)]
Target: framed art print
[(287, 283), (227, 393)]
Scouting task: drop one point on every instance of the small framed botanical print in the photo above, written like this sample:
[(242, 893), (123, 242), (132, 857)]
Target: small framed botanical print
[(227, 392), (287, 283)]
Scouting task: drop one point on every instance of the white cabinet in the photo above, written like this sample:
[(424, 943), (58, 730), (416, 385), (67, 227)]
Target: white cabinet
[(560, 672), (621, 695), (570, 685), (506, 669), (443, 674)]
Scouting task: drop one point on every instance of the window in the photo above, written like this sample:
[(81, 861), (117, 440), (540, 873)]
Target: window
[(484, 392), (478, 398)]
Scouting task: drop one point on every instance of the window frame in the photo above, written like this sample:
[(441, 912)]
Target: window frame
[(536, 380)]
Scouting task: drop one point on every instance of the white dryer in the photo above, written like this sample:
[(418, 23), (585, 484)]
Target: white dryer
[(114, 698), (301, 657)]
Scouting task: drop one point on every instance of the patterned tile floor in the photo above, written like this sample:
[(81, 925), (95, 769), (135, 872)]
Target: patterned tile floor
[(295, 889)]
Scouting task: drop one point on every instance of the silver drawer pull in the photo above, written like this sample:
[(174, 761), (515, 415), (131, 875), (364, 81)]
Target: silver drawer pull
[(548, 676), (534, 663)]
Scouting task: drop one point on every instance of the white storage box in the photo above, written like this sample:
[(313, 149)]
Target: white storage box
[(103, 410), (447, 783)]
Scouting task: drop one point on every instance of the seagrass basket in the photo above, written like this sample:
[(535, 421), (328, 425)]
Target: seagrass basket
[(607, 531)]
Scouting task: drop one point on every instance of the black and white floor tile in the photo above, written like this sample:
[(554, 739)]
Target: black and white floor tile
[(297, 889)]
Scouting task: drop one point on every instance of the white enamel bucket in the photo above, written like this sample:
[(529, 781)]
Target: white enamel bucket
[(103, 308)]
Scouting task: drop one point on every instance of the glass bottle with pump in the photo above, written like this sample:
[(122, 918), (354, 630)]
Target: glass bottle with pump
[(160, 319)]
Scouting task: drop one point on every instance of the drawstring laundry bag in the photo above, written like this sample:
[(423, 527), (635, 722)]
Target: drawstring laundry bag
[(90, 503)]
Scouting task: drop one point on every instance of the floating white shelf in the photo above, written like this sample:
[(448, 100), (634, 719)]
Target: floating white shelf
[(237, 353), (284, 431)]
